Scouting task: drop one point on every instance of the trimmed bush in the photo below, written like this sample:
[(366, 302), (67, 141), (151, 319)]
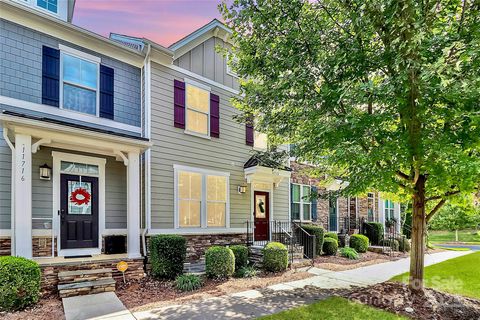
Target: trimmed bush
[(319, 234), (359, 242), (188, 282), (275, 257), (167, 255), (404, 244), (219, 262), (330, 246), (391, 243), (241, 256), (19, 283), (332, 235), (246, 272), (374, 232), (349, 253)]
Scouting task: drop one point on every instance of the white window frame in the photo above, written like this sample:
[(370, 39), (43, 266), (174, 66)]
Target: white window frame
[(84, 56), (388, 210), (203, 202), (302, 202), (35, 3), (199, 85)]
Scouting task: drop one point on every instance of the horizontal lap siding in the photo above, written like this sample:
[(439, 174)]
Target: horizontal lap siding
[(5, 183), (115, 194)]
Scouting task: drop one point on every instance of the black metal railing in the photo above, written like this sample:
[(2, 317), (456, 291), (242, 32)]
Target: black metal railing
[(391, 237), (306, 240), (349, 224)]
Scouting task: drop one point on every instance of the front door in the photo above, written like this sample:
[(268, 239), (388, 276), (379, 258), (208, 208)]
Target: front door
[(332, 210), (78, 211), (261, 215)]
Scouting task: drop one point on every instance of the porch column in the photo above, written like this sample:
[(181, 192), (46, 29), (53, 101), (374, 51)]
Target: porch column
[(22, 168), (133, 205)]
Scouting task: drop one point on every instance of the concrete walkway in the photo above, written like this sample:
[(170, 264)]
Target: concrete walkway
[(96, 306), (255, 303)]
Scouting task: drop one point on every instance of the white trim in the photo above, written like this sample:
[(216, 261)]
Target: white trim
[(78, 53), (211, 26), (114, 232), (100, 162), (42, 232), (301, 203), (5, 233), (197, 84), (201, 170), (69, 114), (79, 252), (133, 205), (197, 231)]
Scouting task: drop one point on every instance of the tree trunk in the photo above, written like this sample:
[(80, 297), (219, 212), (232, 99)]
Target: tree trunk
[(419, 227)]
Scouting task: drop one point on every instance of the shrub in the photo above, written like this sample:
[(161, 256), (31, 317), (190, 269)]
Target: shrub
[(349, 253), (332, 235), (167, 255), (374, 231), (391, 243), (188, 282), (319, 233), (359, 242), (219, 262), (404, 244), (330, 246), (19, 283), (241, 256), (275, 257), (246, 272)]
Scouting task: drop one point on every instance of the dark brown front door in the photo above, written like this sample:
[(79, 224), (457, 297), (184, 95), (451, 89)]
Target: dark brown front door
[(262, 215), (78, 211)]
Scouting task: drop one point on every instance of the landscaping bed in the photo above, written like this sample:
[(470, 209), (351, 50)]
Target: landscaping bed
[(338, 263), (47, 308), (397, 298)]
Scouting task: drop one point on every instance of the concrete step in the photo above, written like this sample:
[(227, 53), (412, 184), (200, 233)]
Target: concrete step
[(86, 287)]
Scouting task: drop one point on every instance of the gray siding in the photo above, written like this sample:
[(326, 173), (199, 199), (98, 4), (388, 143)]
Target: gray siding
[(172, 146), (21, 71), (204, 60), (5, 183), (115, 194)]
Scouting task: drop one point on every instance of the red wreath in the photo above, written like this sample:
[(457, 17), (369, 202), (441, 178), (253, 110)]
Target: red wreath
[(80, 197)]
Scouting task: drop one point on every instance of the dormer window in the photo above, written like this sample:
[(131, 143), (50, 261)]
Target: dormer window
[(50, 5)]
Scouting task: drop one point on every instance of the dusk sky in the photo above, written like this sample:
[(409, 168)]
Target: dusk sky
[(163, 21)]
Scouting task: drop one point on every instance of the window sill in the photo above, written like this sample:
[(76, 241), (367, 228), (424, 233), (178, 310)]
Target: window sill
[(199, 135)]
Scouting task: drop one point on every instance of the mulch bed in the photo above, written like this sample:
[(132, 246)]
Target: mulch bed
[(49, 307), (338, 263), (432, 305)]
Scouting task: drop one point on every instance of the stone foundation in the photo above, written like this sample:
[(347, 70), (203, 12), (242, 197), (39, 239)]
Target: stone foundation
[(198, 244), (5, 246), (42, 247)]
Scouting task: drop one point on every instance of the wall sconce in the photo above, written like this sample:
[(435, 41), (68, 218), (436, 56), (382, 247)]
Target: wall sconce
[(45, 172), (242, 189)]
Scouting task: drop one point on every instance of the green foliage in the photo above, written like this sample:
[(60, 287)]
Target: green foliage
[(19, 283), (167, 255), (241, 256), (330, 246), (349, 253), (246, 272), (219, 262), (403, 244), (391, 243), (275, 257), (374, 232), (455, 217), (332, 235), (188, 282), (319, 234), (359, 242)]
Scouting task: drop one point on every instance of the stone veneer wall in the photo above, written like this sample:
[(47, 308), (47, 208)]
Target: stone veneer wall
[(5, 246)]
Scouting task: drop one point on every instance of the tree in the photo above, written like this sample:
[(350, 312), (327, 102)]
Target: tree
[(454, 218), (384, 93)]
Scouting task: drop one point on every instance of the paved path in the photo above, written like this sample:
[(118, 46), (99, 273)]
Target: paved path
[(473, 247), (255, 303), (104, 306)]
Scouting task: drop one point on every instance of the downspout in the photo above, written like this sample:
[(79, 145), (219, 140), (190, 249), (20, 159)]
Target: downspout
[(147, 180), (12, 196)]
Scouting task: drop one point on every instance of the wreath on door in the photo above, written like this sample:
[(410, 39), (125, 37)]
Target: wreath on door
[(261, 206), (80, 197)]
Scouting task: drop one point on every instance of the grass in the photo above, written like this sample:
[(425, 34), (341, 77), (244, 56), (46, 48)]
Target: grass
[(334, 308), (457, 276), (467, 236)]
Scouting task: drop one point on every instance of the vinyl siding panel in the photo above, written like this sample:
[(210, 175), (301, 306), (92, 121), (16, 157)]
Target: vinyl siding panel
[(5, 183)]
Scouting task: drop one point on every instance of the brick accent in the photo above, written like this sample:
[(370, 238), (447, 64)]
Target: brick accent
[(5, 246)]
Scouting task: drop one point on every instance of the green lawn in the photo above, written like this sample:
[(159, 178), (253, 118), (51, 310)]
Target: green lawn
[(334, 308), (458, 276), (449, 236)]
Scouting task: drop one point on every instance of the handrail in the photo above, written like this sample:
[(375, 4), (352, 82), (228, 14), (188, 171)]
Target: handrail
[(307, 241)]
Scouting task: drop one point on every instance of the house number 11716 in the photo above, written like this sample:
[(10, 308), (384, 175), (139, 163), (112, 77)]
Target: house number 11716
[(23, 163)]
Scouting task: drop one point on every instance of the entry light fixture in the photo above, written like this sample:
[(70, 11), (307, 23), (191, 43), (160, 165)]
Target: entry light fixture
[(242, 189), (45, 172)]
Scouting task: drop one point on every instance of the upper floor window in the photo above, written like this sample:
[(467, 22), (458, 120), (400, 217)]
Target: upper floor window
[(389, 210), (198, 110), (50, 5), (301, 203), (79, 83), (260, 140)]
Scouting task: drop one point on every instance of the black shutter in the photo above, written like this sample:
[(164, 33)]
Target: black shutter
[(106, 92), (50, 76), (314, 193)]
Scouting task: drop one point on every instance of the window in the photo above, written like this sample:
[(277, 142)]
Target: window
[(79, 84), (198, 110), (260, 140), (301, 206), (370, 206), (50, 5), (389, 210), (202, 198)]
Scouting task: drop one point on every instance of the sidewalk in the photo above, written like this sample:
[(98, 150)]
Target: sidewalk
[(255, 303)]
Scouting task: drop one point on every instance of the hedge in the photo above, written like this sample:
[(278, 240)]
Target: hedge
[(275, 257), (241, 256), (330, 246), (332, 235), (391, 243), (167, 255), (219, 262), (359, 242), (374, 232), (19, 283), (404, 244), (319, 234)]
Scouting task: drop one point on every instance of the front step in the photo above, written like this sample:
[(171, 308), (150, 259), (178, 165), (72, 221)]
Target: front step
[(80, 282), (196, 267)]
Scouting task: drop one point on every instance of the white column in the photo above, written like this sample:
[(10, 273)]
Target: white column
[(133, 205), (23, 195)]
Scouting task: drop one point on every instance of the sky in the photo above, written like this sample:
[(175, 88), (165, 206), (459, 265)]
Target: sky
[(163, 21)]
